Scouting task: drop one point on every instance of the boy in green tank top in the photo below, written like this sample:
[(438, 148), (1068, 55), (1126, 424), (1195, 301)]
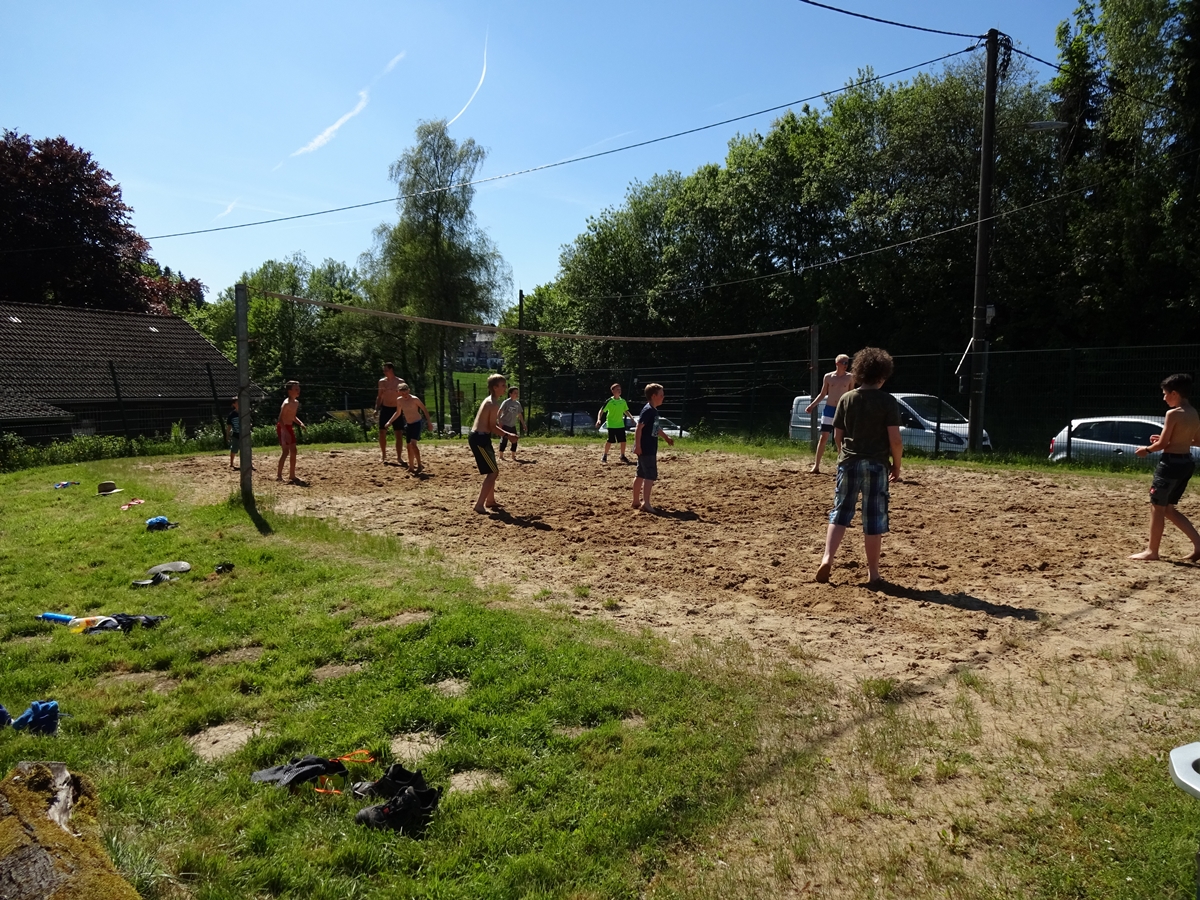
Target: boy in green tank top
[(613, 414)]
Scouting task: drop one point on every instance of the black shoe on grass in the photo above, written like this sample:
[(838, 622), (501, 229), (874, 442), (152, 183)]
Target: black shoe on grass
[(393, 782), (410, 811)]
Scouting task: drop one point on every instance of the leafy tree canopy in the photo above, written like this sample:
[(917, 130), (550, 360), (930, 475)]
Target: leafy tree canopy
[(66, 237)]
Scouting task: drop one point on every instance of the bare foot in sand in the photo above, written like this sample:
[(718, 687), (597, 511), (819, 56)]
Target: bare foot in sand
[(823, 573), (1195, 557), (635, 506), (646, 508), (1147, 556), (482, 510), (814, 471)]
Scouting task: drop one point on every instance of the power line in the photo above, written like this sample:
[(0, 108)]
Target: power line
[(543, 167), (500, 329), (846, 12), (1109, 87)]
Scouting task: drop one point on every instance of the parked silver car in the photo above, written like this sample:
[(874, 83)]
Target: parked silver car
[(918, 424), (1102, 438)]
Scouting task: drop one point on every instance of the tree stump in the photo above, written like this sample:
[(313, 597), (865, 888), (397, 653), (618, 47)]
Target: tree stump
[(50, 846)]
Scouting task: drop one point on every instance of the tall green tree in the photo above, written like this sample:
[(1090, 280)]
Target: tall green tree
[(436, 261)]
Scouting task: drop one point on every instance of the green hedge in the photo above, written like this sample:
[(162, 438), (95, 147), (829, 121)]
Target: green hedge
[(16, 453)]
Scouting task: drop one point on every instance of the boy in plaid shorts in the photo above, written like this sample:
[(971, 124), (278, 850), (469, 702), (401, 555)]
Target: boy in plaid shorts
[(866, 430)]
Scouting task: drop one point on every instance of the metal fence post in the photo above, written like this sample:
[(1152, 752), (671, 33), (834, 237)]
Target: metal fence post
[(1071, 400), (814, 376), (574, 399), (112, 370), (241, 304), (937, 435), (212, 386)]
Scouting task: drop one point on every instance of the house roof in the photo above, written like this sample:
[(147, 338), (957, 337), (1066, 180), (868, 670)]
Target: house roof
[(16, 408), (57, 354)]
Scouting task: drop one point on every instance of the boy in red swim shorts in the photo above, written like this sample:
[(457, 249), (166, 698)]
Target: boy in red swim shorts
[(285, 429)]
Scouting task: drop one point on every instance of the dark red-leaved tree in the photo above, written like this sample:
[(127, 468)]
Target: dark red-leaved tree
[(65, 235)]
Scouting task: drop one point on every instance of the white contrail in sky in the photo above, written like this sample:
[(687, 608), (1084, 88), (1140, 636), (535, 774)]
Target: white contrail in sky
[(395, 59), (228, 209), (364, 97), (327, 135), (477, 87)]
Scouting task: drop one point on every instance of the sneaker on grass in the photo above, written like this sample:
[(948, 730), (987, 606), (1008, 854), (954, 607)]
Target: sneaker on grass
[(393, 782), (408, 812)]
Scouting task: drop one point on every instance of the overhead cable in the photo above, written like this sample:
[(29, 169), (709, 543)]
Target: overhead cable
[(500, 329), (1109, 87), (846, 12), (543, 167)]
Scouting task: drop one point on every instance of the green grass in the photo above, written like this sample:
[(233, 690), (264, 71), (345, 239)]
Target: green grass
[(589, 815), (1124, 832)]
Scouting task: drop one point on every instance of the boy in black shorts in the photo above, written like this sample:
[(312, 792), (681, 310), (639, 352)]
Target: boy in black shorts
[(1181, 431), (480, 441), (612, 415), (645, 448)]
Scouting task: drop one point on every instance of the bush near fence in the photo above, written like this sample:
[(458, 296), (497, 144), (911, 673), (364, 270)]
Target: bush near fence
[(16, 454)]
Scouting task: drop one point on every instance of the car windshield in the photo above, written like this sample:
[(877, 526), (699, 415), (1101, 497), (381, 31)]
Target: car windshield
[(926, 407)]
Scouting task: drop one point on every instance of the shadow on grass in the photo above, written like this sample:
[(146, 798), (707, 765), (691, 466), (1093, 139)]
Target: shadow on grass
[(959, 601), (250, 505)]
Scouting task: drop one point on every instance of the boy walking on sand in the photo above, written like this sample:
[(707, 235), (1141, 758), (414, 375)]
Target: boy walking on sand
[(613, 413), (833, 388), (1180, 431), (480, 441), (508, 416), (410, 415), (645, 448), (233, 434), (285, 429), (866, 429), (385, 405)]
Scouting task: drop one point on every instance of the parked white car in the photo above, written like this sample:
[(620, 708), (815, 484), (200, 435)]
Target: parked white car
[(1102, 438), (918, 424)]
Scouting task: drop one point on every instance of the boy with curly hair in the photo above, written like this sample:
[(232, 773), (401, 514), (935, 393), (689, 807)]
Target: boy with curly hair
[(866, 431)]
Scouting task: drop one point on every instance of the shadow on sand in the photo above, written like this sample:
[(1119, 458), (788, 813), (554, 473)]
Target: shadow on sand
[(958, 601)]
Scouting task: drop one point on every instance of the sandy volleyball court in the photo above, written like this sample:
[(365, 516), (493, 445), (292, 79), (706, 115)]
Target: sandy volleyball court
[(980, 561)]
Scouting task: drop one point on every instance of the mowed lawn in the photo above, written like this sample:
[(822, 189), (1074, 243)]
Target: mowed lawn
[(600, 755)]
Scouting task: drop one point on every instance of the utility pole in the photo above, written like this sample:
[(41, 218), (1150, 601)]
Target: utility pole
[(241, 306), (521, 343), (983, 247)]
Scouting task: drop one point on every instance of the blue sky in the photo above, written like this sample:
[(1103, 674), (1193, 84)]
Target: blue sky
[(223, 113)]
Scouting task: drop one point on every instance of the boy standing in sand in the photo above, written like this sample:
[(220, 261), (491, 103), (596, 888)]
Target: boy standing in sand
[(480, 441), (509, 415), (233, 433), (285, 428), (386, 399), (833, 388), (412, 414), (1180, 431), (613, 413), (866, 429), (645, 448)]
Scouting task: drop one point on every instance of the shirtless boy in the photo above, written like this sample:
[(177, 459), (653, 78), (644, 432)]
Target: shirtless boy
[(285, 429), (412, 413), (385, 402), (836, 384), (1180, 432), (480, 440)]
